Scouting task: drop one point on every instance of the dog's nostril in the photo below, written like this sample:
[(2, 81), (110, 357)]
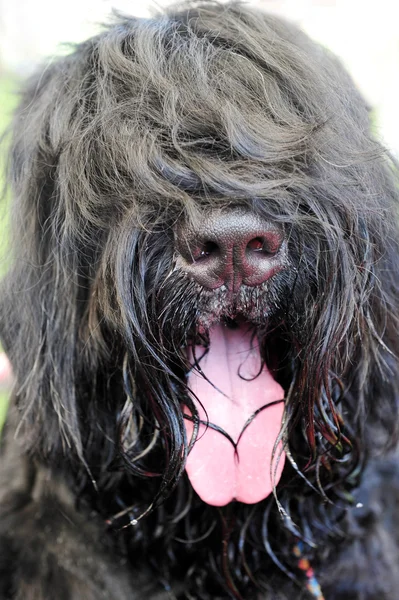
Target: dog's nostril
[(266, 245), (255, 245), (207, 249)]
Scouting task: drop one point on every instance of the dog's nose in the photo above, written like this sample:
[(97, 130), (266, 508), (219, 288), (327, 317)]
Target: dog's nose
[(231, 248)]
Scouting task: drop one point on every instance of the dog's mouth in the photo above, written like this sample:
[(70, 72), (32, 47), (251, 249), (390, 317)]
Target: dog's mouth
[(237, 453)]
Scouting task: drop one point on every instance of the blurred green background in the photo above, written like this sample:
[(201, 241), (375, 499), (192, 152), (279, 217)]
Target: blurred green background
[(8, 99)]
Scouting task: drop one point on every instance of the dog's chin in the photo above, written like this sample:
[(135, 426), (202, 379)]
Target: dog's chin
[(238, 451)]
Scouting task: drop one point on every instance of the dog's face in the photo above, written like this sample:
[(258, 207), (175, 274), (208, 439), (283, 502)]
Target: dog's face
[(208, 265)]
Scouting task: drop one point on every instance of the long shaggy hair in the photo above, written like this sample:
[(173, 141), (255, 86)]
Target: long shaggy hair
[(139, 132)]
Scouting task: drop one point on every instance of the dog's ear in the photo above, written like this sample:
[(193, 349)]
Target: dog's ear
[(377, 320), (45, 293), (357, 330)]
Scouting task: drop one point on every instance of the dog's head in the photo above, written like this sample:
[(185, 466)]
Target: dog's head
[(201, 213)]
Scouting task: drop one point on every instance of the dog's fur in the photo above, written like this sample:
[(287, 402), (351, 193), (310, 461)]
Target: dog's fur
[(147, 126)]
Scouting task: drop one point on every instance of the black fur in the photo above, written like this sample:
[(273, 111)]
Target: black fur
[(146, 127)]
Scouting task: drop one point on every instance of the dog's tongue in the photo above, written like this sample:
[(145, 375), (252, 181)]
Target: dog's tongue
[(234, 388)]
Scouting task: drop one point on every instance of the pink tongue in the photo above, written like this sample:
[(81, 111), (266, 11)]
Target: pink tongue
[(218, 473)]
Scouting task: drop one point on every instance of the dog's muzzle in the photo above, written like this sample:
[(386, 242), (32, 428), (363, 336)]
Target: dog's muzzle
[(237, 454), (231, 248)]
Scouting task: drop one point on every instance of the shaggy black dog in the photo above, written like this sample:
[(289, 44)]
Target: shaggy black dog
[(202, 318)]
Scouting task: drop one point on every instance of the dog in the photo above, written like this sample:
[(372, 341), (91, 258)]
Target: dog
[(201, 314)]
